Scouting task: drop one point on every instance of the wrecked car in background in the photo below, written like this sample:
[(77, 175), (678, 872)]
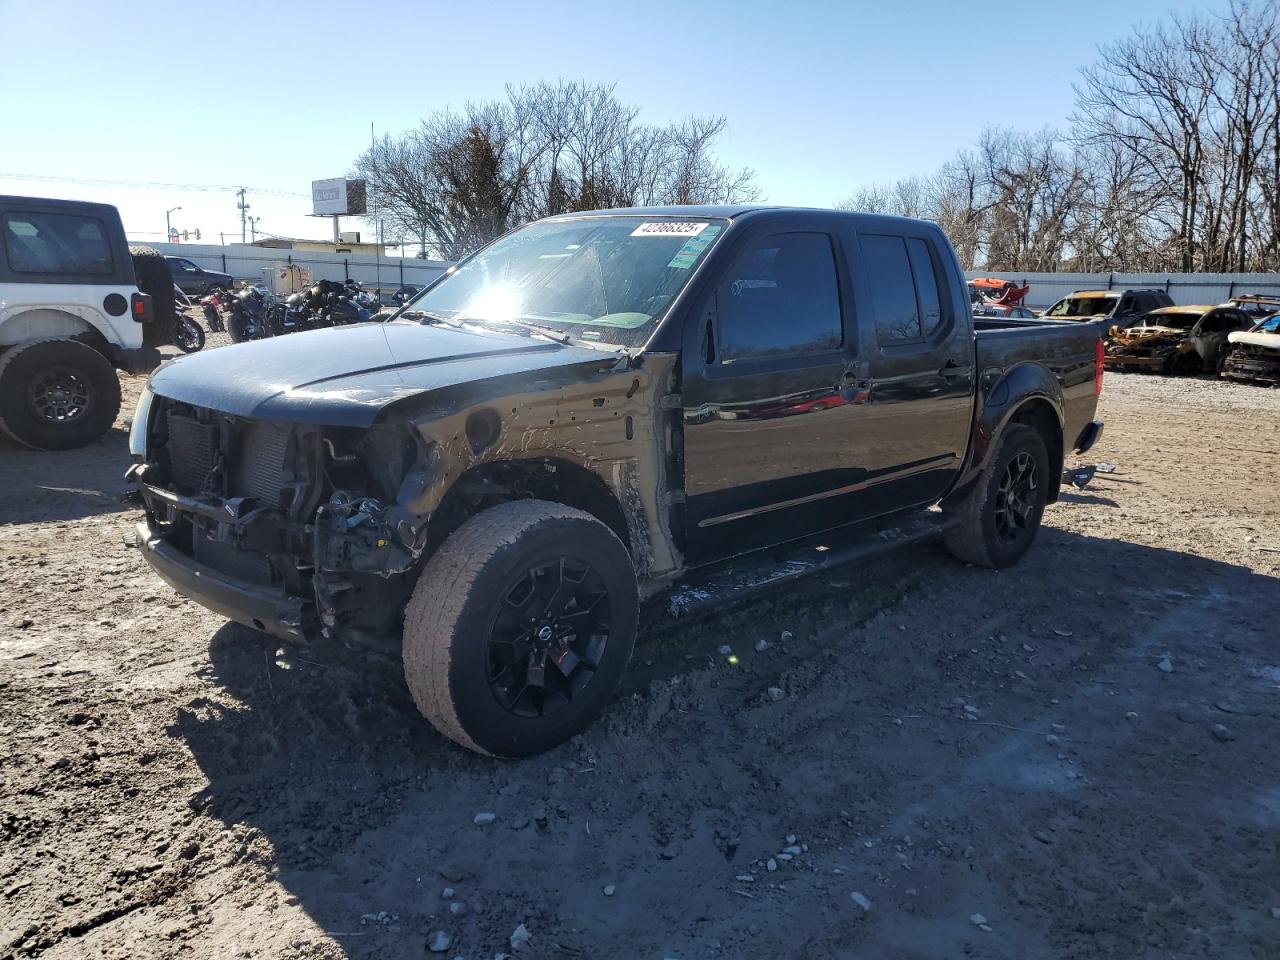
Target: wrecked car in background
[(1108, 308), (1177, 340), (1254, 355), (585, 411)]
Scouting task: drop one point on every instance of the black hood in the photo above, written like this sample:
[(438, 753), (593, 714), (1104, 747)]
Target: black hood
[(345, 376)]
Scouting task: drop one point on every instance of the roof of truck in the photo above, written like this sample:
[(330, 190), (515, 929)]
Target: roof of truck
[(727, 211), (699, 210)]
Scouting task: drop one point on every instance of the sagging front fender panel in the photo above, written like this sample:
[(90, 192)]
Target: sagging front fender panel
[(1001, 395), (609, 420)]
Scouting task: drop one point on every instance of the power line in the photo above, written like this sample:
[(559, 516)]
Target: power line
[(151, 185)]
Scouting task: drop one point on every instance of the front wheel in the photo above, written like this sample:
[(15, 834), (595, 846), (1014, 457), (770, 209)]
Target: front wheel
[(239, 329), (188, 335), (997, 520), (519, 628)]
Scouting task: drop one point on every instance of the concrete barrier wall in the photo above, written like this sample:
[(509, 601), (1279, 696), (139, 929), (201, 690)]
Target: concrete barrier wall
[(246, 262), (1184, 288)]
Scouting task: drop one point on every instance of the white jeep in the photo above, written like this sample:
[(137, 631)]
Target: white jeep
[(71, 314)]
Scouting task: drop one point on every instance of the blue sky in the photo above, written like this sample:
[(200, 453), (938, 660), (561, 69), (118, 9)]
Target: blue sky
[(820, 96)]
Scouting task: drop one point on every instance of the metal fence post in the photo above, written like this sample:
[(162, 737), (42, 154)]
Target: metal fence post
[(1111, 279), (346, 269)]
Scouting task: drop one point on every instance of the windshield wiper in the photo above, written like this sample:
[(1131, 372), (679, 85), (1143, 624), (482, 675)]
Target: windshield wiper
[(551, 333), (424, 316)]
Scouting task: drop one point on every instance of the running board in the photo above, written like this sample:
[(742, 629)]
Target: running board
[(742, 578)]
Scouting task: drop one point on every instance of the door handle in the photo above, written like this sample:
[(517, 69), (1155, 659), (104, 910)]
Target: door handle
[(952, 370)]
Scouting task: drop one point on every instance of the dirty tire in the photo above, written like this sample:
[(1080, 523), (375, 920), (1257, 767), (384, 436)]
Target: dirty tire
[(456, 604), (155, 280), (975, 538), (65, 361)]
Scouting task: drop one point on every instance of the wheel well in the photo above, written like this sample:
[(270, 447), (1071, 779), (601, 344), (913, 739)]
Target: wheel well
[(43, 323), (1042, 418), (541, 478)]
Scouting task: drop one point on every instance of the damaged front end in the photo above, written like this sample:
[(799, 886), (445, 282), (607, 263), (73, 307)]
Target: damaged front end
[(283, 527), (1255, 359), (1159, 350)]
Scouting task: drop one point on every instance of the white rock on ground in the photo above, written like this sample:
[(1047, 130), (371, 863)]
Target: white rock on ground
[(439, 942), (521, 938), (776, 694), (861, 899), (484, 819)]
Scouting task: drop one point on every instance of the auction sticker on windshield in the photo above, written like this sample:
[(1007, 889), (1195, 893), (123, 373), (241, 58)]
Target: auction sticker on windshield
[(669, 229)]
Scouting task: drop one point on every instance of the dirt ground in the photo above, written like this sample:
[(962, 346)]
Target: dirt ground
[(1073, 758)]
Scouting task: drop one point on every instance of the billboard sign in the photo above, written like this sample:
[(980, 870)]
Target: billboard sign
[(339, 197)]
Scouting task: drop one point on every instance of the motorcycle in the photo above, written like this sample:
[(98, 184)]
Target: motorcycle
[(249, 315), (211, 307), (188, 335)]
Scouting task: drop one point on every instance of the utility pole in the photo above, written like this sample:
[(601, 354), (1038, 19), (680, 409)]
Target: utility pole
[(377, 251), (244, 210), (253, 229)]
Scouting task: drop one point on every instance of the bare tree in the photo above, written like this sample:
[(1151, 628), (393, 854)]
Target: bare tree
[(463, 178), (1172, 161)]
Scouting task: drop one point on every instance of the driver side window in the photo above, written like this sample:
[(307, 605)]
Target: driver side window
[(781, 296)]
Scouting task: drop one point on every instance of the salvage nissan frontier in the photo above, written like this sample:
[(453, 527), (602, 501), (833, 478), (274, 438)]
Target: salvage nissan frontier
[(583, 412)]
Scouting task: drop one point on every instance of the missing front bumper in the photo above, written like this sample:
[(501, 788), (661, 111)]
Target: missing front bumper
[(263, 608)]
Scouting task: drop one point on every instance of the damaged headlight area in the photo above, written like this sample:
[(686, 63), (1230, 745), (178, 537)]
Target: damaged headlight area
[(323, 517), (364, 535)]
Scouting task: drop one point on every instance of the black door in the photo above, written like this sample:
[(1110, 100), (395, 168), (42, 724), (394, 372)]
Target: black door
[(770, 396), (918, 411)]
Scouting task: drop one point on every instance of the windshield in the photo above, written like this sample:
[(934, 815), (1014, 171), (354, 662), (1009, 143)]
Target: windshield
[(604, 279), (1179, 321), (1082, 307), (1271, 325)]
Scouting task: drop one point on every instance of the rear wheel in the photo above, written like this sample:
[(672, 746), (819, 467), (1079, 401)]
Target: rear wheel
[(996, 522), (520, 627), (57, 394)]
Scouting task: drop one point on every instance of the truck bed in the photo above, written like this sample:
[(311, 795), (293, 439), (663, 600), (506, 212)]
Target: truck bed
[(1068, 349)]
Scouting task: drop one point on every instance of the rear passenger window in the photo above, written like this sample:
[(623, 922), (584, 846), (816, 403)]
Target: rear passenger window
[(926, 285), (904, 287), (781, 296), (56, 243)]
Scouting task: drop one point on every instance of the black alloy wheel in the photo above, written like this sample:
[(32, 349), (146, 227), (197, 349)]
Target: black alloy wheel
[(1017, 498), (549, 637), (60, 394)]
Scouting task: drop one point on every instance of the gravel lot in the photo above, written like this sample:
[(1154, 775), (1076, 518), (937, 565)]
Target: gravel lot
[(1073, 758)]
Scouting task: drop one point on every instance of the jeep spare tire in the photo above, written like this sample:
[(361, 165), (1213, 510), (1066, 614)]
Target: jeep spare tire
[(520, 627), (154, 279), (57, 394)]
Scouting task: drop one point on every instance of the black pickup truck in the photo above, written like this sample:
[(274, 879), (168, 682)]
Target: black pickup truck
[(580, 414)]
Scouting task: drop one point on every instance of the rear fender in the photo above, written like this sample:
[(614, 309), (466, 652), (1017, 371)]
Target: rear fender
[(1003, 396), (23, 324)]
